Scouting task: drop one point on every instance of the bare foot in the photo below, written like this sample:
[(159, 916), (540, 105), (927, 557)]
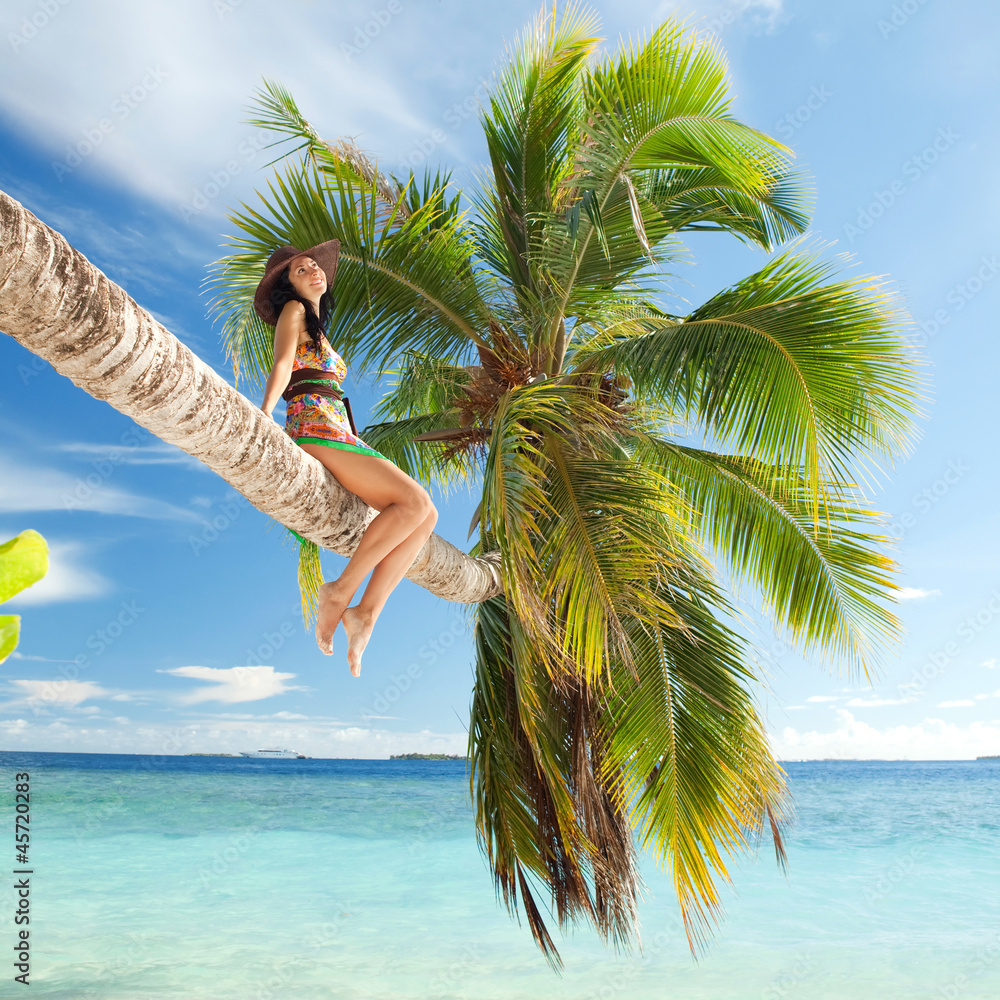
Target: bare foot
[(330, 609), (358, 626)]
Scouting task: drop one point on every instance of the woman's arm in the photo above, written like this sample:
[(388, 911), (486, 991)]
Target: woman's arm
[(291, 323)]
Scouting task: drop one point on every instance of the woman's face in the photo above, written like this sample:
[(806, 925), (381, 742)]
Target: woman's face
[(307, 277)]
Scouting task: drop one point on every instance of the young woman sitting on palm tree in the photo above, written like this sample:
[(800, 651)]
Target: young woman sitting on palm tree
[(294, 297)]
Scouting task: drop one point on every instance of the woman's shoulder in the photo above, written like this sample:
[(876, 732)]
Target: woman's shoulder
[(294, 308)]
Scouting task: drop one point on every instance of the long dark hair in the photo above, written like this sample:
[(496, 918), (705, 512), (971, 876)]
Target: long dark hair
[(284, 291)]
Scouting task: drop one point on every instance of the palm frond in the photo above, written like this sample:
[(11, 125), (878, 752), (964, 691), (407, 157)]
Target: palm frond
[(615, 529), (784, 368), (701, 199), (531, 117), (544, 814), (830, 588), (423, 383), (278, 112), (310, 574), (661, 106), (426, 461), (665, 105), (691, 752)]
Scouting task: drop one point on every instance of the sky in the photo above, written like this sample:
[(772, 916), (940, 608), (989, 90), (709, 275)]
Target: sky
[(170, 621)]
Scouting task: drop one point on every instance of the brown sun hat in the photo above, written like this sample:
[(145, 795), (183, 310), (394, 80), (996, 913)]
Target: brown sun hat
[(325, 254)]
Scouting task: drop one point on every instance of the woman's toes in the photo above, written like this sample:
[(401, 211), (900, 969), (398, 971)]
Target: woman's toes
[(329, 610), (358, 626)]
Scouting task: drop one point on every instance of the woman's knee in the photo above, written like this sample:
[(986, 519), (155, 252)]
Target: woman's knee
[(431, 519), (418, 503)]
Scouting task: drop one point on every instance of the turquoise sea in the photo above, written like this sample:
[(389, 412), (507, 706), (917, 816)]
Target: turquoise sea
[(163, 877)]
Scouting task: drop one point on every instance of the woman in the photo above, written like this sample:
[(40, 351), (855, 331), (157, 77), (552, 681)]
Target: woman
[(293, 296)]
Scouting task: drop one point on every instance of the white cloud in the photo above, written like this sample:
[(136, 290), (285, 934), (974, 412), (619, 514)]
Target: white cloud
[(991, 664), (59, 693), (154, 454), (822, 697), (33, 488), (931, 739), (877, 702), (233, 684), (717, 15), (41, 659), (959, 703), (68, 579), (222, 736), (193, 71), (188, 133), (915, 593)]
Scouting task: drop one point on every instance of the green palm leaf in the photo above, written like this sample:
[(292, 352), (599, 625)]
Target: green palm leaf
[(663, 106), (545, 816), (425, 461), (692, 753), (829, 587), (278, 112), (529, 128), (702, 199), (782, 367)]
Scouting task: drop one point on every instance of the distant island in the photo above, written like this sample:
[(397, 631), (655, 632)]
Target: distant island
[(427, 756), (989, 756), (211, 755)]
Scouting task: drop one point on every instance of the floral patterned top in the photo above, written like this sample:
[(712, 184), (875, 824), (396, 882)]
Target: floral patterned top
[(314, 419)]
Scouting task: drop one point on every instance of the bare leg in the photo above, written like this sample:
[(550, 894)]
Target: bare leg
[(403, 505), (383, 535), (360, 620)]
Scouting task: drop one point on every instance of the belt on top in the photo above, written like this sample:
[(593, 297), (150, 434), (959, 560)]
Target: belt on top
[(317, 382)]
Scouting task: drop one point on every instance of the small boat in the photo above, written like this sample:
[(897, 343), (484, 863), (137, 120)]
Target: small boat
[(272, 753)]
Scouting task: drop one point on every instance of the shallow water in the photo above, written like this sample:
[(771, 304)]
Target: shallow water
[(234, 879)]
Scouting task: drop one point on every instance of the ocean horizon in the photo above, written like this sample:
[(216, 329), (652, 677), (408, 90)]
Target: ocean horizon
[(234, 878)]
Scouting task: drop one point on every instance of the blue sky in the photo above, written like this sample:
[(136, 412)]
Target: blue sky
[(143, 640)]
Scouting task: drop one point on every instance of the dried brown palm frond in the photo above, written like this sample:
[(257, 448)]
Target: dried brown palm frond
[(278, 112)]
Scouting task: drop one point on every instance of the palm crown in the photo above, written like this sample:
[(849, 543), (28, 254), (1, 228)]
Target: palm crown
[(526, 349)]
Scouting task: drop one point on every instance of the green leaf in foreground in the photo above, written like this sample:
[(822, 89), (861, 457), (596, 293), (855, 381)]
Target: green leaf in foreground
[(24, 560), (10, 630)]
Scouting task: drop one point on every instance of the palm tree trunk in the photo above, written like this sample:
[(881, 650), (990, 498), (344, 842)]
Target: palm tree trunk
[(62, 308)]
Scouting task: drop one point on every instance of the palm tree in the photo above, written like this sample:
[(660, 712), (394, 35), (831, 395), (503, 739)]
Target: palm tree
[(528, 348)]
